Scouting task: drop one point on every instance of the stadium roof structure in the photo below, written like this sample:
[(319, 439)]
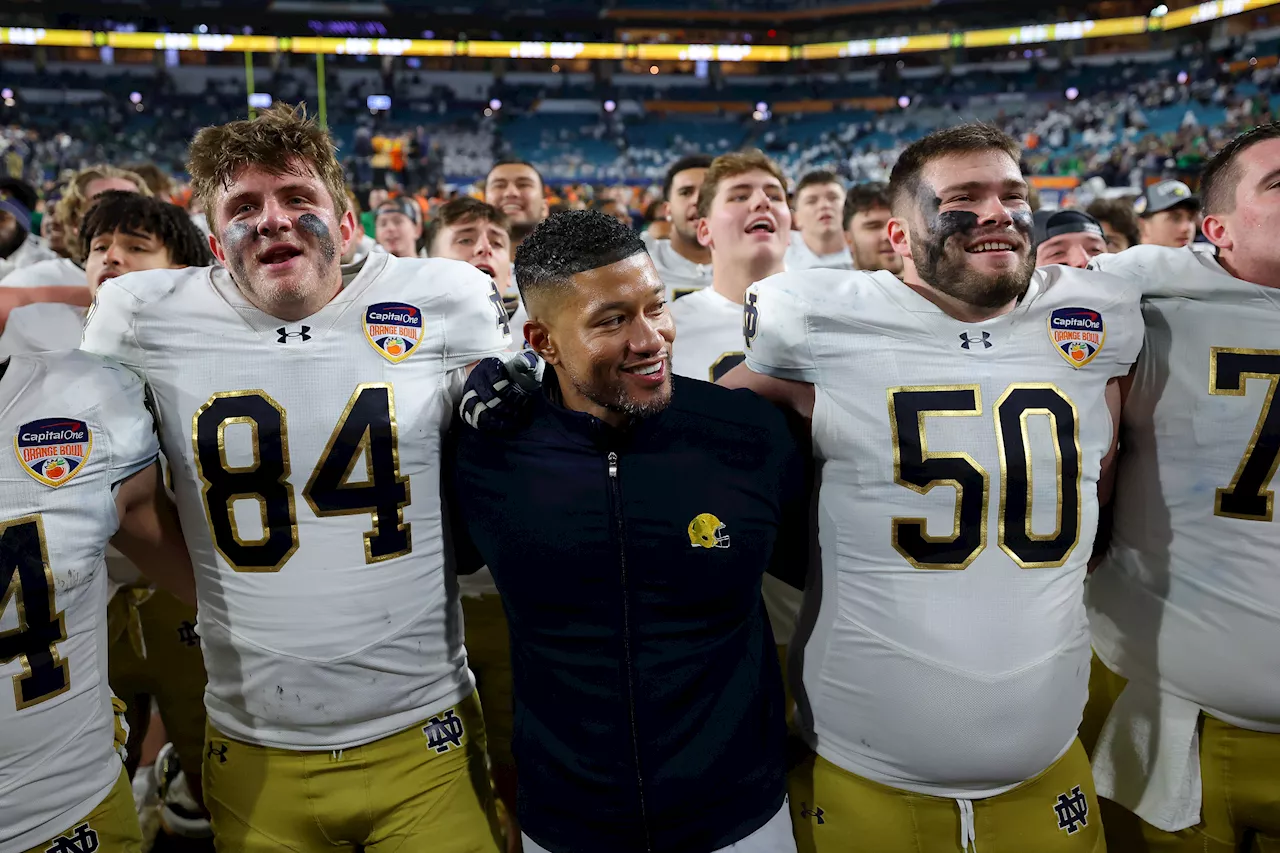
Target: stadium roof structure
[(567, 50)]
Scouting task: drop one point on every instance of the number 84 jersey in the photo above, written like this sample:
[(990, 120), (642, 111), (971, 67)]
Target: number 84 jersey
[(306, 460), (950, 653)]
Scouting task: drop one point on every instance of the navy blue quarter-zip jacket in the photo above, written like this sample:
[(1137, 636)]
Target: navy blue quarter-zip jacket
[(648, 698)]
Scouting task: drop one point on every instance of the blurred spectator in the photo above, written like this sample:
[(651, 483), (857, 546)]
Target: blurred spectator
[(1167, 214), (1068, 237), (1118, 221), (866, 229), (398, 226)]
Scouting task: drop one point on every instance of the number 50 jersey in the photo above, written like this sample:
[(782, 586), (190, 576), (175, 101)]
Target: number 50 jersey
[(306, 464), (950, 651)]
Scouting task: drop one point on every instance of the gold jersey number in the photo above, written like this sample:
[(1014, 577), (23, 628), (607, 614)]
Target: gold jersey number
[(366, 430), (921, 469)]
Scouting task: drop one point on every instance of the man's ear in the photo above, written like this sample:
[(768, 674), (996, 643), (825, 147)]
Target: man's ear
[(1216, 231), (347, 230), (704, 233), (539, 337), (900, 236), (216, 248)]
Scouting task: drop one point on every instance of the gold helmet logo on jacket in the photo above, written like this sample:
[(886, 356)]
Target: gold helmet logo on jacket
[(707, 531)]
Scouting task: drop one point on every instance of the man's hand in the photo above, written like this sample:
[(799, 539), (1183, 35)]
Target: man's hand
[(499, 393)]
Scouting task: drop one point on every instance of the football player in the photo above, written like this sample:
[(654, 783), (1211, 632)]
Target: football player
[(78, 196), (866, 229), (82, 473), (683, 263), (303, 434), (1186, 606), (123, 232), (963, 416), (467, 229), (818, 241), (744, 222)]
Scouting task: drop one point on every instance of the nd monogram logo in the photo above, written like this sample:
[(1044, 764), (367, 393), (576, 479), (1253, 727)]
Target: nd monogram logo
[(82, 839), (187, 634), (443, 733), (1072, 811)]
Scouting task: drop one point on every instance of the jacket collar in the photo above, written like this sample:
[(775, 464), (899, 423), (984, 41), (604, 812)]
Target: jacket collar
[(584, 428)]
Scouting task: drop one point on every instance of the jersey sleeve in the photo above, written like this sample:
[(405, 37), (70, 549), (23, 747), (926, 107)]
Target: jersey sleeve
[(127, 419), (775, 324), (109, 326), (476, 324)]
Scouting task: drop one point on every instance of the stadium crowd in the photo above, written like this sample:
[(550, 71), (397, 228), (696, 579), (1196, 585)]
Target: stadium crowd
[(773, 638)]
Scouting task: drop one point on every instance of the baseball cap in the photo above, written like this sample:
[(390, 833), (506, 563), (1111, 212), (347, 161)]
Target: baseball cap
[(1164, 195), (1052, 223), (407, 206), (10, 204)]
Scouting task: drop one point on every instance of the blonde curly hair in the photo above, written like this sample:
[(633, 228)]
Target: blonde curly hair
[(75, 202)]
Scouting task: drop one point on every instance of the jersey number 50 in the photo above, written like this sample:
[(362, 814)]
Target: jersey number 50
[(366, 430), (921, 469)]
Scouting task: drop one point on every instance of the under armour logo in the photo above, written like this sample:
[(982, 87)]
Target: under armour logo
[(985, 340), (815, 812), (218, 752), (1072, 810), (443, 733), (285, 334), (187, 634), (82, 839)]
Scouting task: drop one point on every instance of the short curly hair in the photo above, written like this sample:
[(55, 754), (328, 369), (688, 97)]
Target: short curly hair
[(283, 140), (130, 212), (568, 243)]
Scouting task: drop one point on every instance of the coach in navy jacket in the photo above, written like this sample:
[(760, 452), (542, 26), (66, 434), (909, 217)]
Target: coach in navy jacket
[(628, 523)]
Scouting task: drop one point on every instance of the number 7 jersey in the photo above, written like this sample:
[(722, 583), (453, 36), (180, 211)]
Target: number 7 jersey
[(306, 459), (949, 651), (1189, 595)]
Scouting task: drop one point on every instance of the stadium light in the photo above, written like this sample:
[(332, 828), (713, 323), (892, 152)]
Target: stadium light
[(762, 107), (260, 100), (487, 112), (1182, 78), (135, 97), (653, 69), (1160, 11), (495, 104), (378, 102), (610, 105), (904, 102), (203, 29), (1073, 93), (6, 93)]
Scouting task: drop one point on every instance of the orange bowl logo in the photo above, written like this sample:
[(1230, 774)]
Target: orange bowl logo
[(53, 450), (1077, 334), (393, 329)]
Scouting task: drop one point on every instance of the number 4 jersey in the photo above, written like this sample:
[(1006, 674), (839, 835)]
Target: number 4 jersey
[(949, 652), (1189, 596), (306, 460), (73, 427)]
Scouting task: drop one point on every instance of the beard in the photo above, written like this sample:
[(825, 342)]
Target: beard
[(948, 271), (610, 392)]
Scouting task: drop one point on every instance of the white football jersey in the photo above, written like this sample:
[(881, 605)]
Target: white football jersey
[(681, 275), (75, 425), (1189, 597), (800, 257), (55, 272), (950, 650), (33, 250), (708, 335), (42, 327), (306, 467), (708, 345)]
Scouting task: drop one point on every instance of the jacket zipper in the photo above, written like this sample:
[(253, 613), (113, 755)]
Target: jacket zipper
[(616, 488)]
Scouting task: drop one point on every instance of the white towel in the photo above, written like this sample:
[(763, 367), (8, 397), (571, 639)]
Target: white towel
[(1148, 757)]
